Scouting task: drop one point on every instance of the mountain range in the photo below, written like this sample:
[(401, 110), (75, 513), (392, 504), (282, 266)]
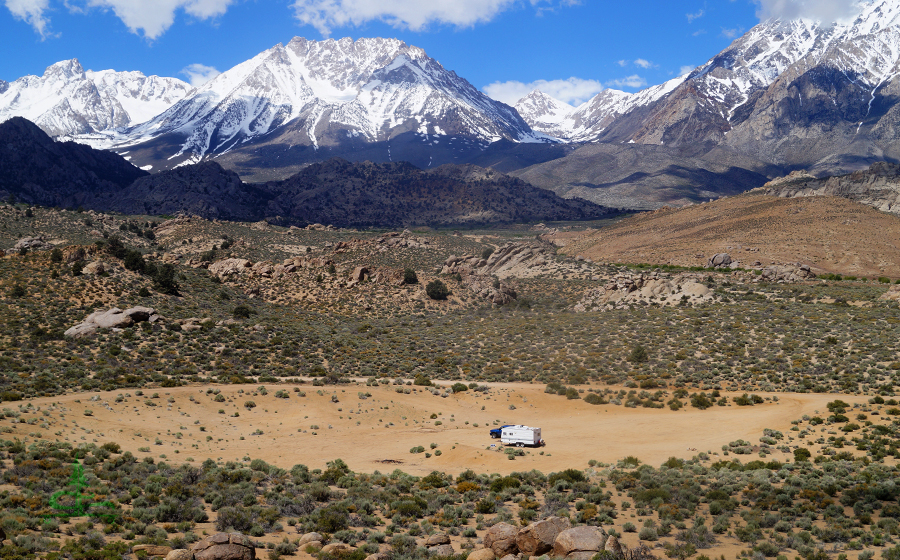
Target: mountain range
[(788, 95), (38, 170)]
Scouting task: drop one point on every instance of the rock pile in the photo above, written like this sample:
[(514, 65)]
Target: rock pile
[(786, 273), (439, 545), (554, 536), (491, 289), (653, 287), (719, 260), (113, 318), (510, 260), (30, 244)]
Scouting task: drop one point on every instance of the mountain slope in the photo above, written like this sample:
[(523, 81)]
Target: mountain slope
[(35, 169), (337, 95), (68, 101)]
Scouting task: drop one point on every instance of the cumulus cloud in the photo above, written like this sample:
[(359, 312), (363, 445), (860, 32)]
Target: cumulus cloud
[(150, 18), (32, 13), (634, 81), (685, 70), (731, 33), (826, 11), (199, 74), (573, 91), (644, 63), (154, 18), (416, 15)]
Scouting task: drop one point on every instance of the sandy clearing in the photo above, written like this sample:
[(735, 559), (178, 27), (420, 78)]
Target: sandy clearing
[(575, 431)]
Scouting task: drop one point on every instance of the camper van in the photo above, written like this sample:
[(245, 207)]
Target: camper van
[(520, 436)]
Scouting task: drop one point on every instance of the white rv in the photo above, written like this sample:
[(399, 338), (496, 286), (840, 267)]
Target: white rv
[(520, 436)]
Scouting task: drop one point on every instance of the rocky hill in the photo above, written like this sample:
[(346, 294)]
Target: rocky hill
[(345, 194), (828, 234), (35, 169), (877, 186)]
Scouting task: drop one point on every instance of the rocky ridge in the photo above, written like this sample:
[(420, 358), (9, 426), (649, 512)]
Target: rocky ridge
[(878, 186)]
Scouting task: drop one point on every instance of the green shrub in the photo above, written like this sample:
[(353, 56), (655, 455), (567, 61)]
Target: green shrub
[(638, 355), (410, 276), (437, 290)]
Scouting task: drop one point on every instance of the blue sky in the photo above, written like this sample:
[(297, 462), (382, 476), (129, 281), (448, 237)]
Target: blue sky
[(504, 47)]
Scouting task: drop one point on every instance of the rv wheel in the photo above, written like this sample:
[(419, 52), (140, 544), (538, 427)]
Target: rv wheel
[(520, 444)]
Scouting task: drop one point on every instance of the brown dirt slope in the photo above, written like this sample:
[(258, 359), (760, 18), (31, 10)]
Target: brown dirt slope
[(830, 234)]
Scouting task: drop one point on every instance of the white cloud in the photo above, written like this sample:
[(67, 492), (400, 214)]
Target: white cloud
[(645, 64), (573, 91), (686, 69), (154, 18), (692, 17), (32, 13), (821, 10), (622, 63), (199, 74), (633, 81), (416, 15), (731, 33)]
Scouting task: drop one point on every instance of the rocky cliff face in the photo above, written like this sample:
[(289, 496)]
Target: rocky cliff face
[(878, 186)]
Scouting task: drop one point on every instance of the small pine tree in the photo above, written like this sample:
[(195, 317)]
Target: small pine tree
[(638, 355)]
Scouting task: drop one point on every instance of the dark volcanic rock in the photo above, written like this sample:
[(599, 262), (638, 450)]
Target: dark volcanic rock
[(38, 170)]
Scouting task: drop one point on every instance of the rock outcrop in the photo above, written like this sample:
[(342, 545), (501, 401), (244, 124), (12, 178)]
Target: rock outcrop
[(579, 543), (230, 267), (224, 546), (719, 260), (113, 318), (654, 287), (31, 244), (494, 290), (501, 539), (180, 554), (878, 186), (518, 260), (538, 537), (786, 273)]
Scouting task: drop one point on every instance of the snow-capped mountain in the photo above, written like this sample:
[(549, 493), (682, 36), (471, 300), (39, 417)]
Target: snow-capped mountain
[(791, 92), (325, 94), (68, 101)]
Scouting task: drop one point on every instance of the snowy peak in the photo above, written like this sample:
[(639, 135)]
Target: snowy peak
[(67, 100), (65, 70), (323, 93), (539, 109)]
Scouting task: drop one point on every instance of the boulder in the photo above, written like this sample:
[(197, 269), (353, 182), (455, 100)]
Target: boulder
[(438, 539), (180, 554), (501, 538), (337, 548), (81, 330), (96, 267), (359, 274), (310, 537), (139, 313), (224, 546), (719, 260), (481, 554), (538, 537), (378, 556), (578, 539), (441, 550), (152, 550), (613, 546)]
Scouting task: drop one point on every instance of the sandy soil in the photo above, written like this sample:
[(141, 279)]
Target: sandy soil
[(369, 434), (830, 234)]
